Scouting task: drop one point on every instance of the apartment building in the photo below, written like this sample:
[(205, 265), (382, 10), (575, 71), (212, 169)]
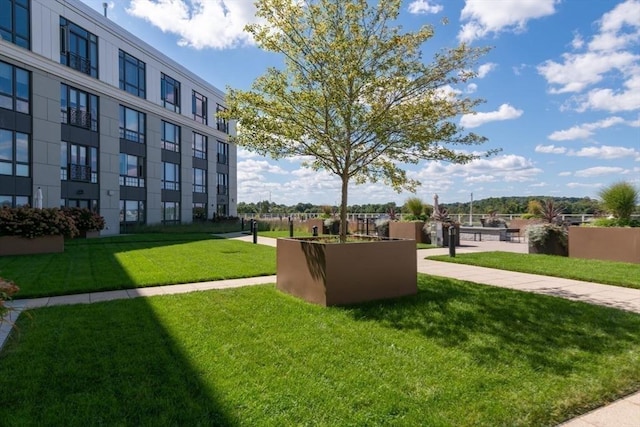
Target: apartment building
[(95, 117)]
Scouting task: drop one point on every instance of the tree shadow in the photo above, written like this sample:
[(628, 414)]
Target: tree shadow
[(498, 326)]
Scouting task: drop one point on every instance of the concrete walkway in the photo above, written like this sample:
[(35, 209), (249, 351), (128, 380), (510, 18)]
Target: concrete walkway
[(622, 413)]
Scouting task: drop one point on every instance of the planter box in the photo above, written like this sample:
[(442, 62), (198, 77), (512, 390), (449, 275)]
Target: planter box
[(408, 230), (92, 234), (16, 245), (551, 246), (605, 243), (336, 274), (316, 223)]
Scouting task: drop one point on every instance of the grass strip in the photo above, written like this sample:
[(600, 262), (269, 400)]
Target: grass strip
[(456, 354), (607, 272), (126, 262)]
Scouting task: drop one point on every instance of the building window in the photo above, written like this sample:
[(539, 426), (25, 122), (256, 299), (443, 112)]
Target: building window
[(15, 88), (78, 108), (14, 153), (9, 201), (132, 212), (132, 125), (78, 163), (170, 212), (170, 176), (199, 211), (170, 136), (15, 22), (223, 184), (222, 124), (199, 107), (132, 75), (199, 145), (78, 48), (223, 153), (170, 92), (131, 170), (199, 180), (222, 210), (90, 204)]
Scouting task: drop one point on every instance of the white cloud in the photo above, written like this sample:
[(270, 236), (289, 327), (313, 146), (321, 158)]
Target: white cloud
[(483, 17), (585, 130), (424, 7), (608, 100), (582, 185), (485, 69), (564, 174), (606, 152), (199, 23), (550, 149), (243, 153), (260, 166), (505, 112), (599, 171), (471, 88), (577, 42), (623, 16)]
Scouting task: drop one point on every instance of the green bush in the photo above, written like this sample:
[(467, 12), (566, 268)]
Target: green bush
[(614, 222), (85, 219), (30, 223), (620, 199)]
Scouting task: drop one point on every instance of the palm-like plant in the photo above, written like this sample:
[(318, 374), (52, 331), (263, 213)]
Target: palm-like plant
[(550, 211), (620, 199)]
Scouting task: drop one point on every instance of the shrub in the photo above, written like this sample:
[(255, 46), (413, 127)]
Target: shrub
[(550, 211), (620, 199), (7, 290), (382, 227), (414, 206), (614, 222), (85, 219), (30, 223), (539, 234)]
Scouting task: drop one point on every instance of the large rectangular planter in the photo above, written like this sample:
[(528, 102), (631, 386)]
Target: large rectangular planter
[(408, 230), (605, 243), (337, 274), (16, 245)]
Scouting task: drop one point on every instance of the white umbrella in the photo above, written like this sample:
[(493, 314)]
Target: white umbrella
[(38, 200)]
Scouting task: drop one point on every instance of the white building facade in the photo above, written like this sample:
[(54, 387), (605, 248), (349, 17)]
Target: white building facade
[(96, 118)]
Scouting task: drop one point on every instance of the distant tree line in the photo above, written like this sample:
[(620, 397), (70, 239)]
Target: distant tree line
[(501, 205)]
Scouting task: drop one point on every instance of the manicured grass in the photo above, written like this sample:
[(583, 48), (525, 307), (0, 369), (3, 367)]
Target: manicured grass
[(283, 233), (456, 354), (133, 261), (608, 272), (426, 246)]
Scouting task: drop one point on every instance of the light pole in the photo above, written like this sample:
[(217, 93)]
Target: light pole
[(471, 211)]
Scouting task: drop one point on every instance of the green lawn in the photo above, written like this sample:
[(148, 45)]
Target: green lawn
[(608, 272), (283, 233), (457, 354), (123, 262)]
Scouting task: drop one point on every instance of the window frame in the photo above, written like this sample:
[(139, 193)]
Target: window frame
[(170, 87), (168, 144), (127, 180), (88, 117), (138, 136), (138, 88), (199, 180), (198, 99), (11, 33), (171, 184), (15, 161), (20, 102), (72, 53), (197, 153)]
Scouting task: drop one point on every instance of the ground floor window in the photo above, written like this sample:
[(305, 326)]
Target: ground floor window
[(132, 212), (199, 211), (170, 212), (13, 201), (222, 210), (80, 203)]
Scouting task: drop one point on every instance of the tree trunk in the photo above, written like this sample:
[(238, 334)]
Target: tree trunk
[(343, 210)]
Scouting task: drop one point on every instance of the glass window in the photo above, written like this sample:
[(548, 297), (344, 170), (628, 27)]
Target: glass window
[(199, 211), (132, 75), (15, 88), (170, 136), (170, 176), (223, 184), (15, 152), (171, 212), (222, 210), (170, 92), (78, 48), (199, 107), (131, 212), (199, 146), (131, 170), (223, 153), (15, 22), (222, 124), (199, 180), (78, 163), (78, 108), (132, 125)]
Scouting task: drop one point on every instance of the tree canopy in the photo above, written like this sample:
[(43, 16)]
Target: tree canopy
[(355, 97)]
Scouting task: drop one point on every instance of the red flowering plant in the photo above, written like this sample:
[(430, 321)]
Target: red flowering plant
[(7, 290), (30, 223), (85, 219)]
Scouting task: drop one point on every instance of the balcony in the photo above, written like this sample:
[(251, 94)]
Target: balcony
[(79, 172), (79, 63), (79, 118), (223, 190)]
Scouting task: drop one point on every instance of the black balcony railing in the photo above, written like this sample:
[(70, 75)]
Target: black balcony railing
[(223, 190), (79, 63), (79, 172), (79, 117)]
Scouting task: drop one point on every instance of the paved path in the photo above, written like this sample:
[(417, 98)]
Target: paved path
[(622, 413)]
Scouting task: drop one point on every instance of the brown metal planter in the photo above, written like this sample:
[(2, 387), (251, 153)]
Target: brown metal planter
[(336, 274), (16, 245), (409, 230), (605, 243)]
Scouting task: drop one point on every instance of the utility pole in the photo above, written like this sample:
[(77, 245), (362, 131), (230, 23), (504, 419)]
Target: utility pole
[(471, 211)]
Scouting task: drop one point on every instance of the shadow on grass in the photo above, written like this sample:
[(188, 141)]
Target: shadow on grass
[(121, 366), (545, 332)]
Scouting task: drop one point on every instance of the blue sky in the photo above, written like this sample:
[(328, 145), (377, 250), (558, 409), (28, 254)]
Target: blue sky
[(561, 85)]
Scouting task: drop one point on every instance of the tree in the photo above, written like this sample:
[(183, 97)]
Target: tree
[(355, 97)]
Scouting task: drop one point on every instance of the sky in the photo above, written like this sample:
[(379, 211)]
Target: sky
[(561, 91)]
